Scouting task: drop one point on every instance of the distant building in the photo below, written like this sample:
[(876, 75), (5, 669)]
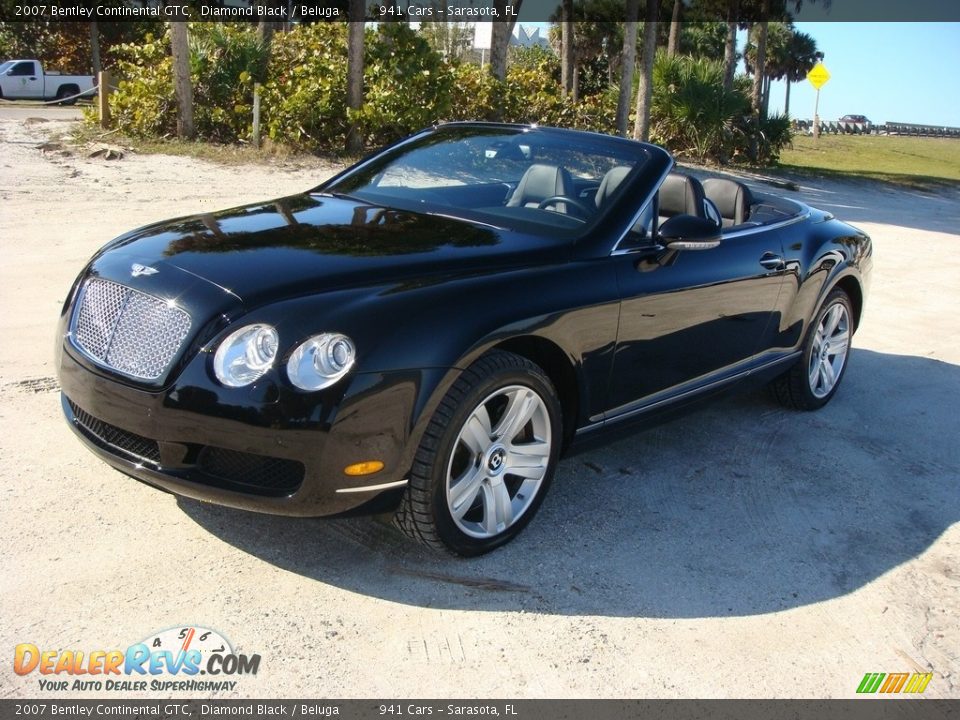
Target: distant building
[(525, 36)]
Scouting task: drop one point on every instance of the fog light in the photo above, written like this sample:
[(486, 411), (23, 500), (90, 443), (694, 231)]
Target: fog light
[(363, 468)]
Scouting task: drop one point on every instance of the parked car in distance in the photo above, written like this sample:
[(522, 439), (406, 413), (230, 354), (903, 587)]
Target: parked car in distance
[(26, 80), (430, 330), (858, 119)]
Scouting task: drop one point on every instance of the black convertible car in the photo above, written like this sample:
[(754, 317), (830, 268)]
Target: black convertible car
[(431, 329)]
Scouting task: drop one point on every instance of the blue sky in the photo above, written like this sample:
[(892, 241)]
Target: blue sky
[(904, 72)]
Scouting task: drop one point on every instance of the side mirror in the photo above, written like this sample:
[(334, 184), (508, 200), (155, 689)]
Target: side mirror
[(687, 232)]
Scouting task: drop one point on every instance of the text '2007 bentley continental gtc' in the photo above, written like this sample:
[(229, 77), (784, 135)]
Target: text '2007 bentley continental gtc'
[(430, 330)]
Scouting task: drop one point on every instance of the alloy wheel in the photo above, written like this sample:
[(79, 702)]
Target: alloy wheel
[(499, 461), (829, 351)]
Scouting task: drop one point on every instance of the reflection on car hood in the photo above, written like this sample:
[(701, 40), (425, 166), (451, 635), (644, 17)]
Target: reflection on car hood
[(310, 243)]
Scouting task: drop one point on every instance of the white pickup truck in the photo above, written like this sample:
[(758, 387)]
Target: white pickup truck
[(25, 80)]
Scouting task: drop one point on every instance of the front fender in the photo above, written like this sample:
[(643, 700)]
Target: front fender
[(819, 257)]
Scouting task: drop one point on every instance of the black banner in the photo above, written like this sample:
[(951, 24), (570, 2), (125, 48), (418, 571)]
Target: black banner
[(178, 709), (464, 11)]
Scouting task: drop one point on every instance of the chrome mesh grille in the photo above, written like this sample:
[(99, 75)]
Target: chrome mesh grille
[(127, 330)]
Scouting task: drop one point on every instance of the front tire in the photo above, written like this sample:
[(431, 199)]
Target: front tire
[(813, 381), (486, 458)]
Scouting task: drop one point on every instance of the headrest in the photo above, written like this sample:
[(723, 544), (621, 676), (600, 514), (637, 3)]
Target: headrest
[(733, 199), (611, 181), (540, 182), (681, 195)]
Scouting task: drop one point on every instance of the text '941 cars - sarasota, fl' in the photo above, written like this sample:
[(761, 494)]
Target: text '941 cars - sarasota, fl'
[(430, 330)]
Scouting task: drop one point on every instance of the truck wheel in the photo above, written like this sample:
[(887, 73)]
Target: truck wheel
[(66, 91)]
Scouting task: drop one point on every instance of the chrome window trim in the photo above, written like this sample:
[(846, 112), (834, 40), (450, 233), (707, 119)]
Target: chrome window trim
[(617, 250), (771, 226)]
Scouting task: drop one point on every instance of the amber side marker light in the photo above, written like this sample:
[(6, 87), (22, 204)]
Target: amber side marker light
[(368, 467)]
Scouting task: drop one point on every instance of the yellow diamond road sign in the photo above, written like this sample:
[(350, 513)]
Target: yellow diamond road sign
[(818, 76)]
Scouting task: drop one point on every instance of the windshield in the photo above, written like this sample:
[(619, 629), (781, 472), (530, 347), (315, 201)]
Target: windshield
[(6, 66), (538, 181)]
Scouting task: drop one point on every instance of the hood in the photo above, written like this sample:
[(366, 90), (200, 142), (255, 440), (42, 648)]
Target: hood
[(313, 243)]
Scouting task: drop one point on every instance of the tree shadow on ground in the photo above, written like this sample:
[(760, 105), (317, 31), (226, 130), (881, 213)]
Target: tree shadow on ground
[(741, 509)]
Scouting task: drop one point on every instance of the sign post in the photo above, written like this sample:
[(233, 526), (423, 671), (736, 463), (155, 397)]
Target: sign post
[(483, 39), (818, 77)]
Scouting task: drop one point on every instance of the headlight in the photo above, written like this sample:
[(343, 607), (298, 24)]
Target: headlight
[(321, 361), (245, 355)]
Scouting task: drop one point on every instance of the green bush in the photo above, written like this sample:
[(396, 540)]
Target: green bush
[(772, 136), (224, 63), (143, 104), (479, 95), (691, 112), (407, 85), (528, 95), (304, 100)]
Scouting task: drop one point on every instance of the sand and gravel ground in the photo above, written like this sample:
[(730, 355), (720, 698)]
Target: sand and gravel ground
[(744, 551)]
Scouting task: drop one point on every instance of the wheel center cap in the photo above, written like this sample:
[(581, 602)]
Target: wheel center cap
[(496, 460)]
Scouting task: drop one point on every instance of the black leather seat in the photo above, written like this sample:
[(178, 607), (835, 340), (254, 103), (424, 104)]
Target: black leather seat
[(611, 181), (681, 195), (733, 200), (540, 182)]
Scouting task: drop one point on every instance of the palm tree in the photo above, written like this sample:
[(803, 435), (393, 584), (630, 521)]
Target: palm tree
[(777, 43), (673, 43), (500, 38), (355, 41), (627, 66), (730, 49), (801, 56), (641, 127), (566, 46), (790, 56)]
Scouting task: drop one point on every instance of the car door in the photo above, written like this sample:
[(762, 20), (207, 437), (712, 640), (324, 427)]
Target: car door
[(690, 317), (23, 81)]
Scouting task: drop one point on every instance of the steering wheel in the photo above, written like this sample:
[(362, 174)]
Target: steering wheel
[(583, 212)]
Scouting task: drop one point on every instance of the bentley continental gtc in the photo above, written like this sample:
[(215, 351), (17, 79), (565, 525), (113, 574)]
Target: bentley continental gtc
[(428, 332)]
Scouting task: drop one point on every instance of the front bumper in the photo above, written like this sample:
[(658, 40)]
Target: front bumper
[(264, 448)]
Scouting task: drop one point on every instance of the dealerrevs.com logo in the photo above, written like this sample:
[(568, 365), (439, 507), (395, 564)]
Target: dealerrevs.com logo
[(170, 660)]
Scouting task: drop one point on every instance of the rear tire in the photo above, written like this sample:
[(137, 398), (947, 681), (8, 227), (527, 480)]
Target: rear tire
[(67, 91), (813, 380), (486, 458)]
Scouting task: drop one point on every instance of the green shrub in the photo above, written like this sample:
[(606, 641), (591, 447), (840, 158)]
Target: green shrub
[(407, 85), (479, 95), (773, 135), (528, 95), (143, 104), (224, 63), (304, 100), (691, 112)]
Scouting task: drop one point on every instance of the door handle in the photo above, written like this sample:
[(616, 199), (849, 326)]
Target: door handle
[(771, 261)]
